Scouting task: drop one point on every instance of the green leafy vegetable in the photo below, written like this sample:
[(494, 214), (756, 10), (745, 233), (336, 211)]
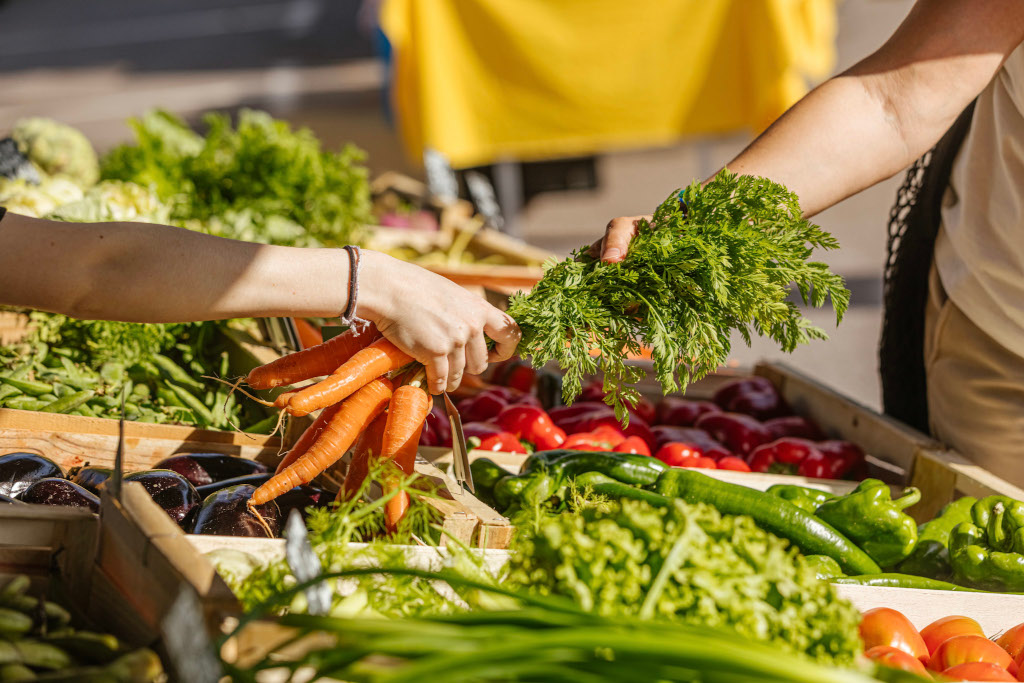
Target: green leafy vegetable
[(259, 181), (691, 277), (689, 564)]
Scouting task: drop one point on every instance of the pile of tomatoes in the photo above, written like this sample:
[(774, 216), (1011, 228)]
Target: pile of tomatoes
[(953, 648)]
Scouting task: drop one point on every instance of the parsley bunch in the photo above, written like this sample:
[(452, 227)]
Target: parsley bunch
[(726, 262)]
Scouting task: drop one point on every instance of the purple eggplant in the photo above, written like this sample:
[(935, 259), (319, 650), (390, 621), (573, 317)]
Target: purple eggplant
[(207, 490), (54, 491), (170, 491), (302, 497), (205, 468), (18, 471), (226, 513), (91, 478)]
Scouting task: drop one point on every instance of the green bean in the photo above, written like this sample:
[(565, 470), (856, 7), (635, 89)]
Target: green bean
[(169, 397), (169, 369), (201, 412), (28, 386), (69, 402), (24, 403)]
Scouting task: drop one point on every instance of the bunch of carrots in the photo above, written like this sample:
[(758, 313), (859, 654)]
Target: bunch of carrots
[(371, 397)]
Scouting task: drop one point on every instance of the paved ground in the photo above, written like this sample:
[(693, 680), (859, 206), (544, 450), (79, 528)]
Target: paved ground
[(93, 64)]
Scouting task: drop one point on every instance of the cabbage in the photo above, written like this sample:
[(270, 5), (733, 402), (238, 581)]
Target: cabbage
[(57, 149)]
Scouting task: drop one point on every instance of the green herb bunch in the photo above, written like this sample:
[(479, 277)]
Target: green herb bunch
[(687, 564), (259, 181), (692, 276)]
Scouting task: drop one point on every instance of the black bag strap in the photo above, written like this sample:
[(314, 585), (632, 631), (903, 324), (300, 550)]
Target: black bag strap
[(913, 226)]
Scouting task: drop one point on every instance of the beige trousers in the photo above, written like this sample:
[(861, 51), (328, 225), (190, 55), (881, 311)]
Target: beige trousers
[(975, 388)]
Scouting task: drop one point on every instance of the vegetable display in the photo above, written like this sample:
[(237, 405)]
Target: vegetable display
[(717, 259), (83, 367), (39, 643)]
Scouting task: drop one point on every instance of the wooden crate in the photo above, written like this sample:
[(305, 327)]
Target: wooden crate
[(896, 453), (103, 568)]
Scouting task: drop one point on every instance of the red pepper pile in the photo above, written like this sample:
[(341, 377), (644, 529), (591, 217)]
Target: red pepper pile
[(747, 426)]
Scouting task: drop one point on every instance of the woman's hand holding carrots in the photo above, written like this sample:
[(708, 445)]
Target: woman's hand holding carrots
[(434, 320)]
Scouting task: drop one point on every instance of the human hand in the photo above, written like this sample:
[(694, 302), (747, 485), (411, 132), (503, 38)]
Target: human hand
[(434, 320), (620, 231)]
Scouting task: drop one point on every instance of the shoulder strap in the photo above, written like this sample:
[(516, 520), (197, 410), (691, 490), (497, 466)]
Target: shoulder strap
[(913, 225)]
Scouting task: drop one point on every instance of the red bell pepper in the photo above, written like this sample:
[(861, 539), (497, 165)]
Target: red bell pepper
[(487, 436), (842, 459), (437, 431), (754, 396), (515, 373), (633, 444), (739, 433), (793, 425), (782, 456), (733, 463), (592, 391), (588, 422), (482, 407), (533, 425), (682, 412)]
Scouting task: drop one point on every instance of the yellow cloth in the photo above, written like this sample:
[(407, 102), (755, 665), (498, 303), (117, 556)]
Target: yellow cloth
[(487, 80)]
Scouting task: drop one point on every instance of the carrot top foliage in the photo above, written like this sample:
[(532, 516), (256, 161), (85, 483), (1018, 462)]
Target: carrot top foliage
[(692, 276)]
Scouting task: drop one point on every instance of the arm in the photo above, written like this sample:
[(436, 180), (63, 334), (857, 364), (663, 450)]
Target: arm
[(873, 120), (154, 273)]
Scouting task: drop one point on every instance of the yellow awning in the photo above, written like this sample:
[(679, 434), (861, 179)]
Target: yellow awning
[(491, 80)]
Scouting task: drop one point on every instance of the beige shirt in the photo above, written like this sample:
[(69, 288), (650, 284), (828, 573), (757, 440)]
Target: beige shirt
[(980, 248)]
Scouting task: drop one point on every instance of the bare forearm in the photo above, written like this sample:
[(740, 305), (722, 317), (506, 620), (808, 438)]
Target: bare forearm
[(878, 117), (150, 273)]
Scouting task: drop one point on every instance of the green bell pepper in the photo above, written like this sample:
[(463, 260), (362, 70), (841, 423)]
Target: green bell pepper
[(869, 517), (803, 497), (988, 551), (826, 567), (931, 554)]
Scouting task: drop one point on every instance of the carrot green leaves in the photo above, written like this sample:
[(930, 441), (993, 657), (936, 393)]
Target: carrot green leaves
[(692, 276)]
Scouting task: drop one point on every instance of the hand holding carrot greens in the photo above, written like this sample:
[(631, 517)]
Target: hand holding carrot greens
[(691, 277)]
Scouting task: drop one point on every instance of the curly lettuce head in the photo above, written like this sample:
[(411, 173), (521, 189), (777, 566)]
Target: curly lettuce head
[(57, 149)]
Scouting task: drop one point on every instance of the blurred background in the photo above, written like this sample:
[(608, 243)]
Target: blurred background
[(552, 102)]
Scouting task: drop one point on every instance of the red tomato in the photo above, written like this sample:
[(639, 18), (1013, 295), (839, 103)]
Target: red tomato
[(1013, 642), (585, 441), (978, 671), (971, 648), (941, 630), (633, 444), (702, 462), (612, 435), (884, 626), (731, 462), (674, 454), (894, 658)]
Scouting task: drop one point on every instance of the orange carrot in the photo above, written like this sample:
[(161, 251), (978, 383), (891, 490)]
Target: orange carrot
[(309, 334), (352, 418), (316, 361), (366, 448), (377, 359), (307, 439), (406, 414)]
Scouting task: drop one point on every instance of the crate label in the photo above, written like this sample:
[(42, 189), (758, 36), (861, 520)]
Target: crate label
[(305, 565), (189, 649)]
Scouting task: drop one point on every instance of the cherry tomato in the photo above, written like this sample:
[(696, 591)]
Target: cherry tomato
[(674, 454), (978, 671), (941, 630), (1013, 641), (971, 648), (894, 658), (731, 462), (612, 435), (884, 626), (633, 444)]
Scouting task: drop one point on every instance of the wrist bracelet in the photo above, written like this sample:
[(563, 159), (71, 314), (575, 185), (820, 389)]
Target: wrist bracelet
[(348, 316)]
